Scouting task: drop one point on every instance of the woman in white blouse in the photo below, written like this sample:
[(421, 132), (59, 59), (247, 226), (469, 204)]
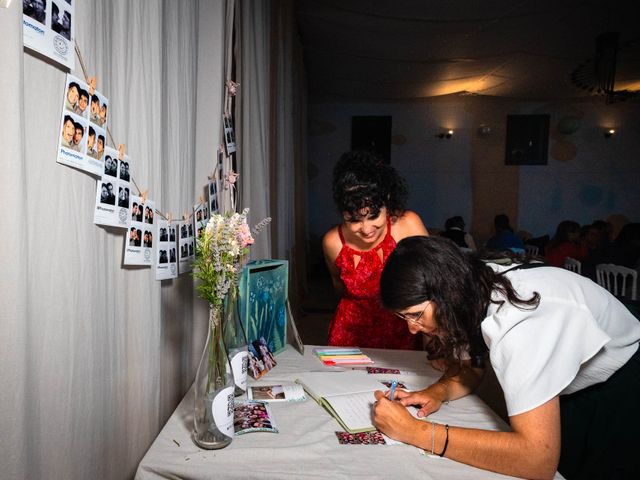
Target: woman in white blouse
[(564, 350)]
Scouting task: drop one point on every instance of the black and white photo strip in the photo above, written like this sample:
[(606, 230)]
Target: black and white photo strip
[(82, 140), (166, 250), (229, 134), (48, 27), (113, 191), (186, 244), (138, 243), (200, 218), (214, 188)]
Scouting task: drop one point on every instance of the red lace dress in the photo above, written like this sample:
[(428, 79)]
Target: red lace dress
[(360, 319)]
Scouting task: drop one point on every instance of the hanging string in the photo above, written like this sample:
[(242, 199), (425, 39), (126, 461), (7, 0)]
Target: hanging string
[(113, 143)]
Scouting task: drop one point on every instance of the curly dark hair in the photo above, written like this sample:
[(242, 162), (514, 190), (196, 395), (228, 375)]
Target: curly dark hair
[(459, 283), (361, 180)]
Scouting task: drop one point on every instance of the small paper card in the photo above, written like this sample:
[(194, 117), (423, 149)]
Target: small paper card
[(82, 140), (166, 261), (283, 392), (249, 416), (261, 359), (138, 248), (113, 192), (363, 438)]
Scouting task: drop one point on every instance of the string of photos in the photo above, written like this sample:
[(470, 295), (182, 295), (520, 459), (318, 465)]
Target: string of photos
[(152, 238)]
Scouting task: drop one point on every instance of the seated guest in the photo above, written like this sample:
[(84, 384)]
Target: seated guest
[(564, 350), (565, 243), (504, 239), (454, 230), (625, 249), (591, 236)]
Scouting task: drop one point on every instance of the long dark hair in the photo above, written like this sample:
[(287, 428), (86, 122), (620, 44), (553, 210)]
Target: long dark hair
[(361, 180), (459, 283)]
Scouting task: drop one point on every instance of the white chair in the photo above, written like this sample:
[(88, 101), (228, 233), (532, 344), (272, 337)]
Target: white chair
[(531, 249), (573, 265), (610, 276)]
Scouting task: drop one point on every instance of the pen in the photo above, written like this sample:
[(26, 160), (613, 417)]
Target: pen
[(392, 389)]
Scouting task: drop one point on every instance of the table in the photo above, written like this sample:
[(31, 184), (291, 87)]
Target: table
[(306, 446)]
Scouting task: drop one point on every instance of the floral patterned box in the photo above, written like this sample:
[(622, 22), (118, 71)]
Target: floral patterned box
[(264, 287)]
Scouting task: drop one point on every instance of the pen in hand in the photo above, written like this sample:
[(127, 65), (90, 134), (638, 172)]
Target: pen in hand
[(392, 389)]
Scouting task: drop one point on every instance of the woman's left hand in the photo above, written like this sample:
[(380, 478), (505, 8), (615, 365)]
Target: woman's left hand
[(393, 419)]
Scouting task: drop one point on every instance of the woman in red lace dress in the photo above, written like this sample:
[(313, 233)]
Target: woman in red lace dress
[(371, 197)]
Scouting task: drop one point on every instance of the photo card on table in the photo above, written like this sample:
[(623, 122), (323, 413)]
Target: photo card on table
[(186, 244), (81, 143), (261, 359), (249, 416), (138, 248), (113, 193), (166, 250), (48, 27)]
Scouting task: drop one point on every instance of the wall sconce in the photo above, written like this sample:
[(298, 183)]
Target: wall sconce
[(609, 133), (447, 135)]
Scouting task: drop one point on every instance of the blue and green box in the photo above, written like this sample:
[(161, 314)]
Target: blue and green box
[(264, 287)]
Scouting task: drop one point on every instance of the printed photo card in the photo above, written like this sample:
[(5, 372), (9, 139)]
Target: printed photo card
[(138, 248), (280, 392), (251, 416), (48, 28), (200, 218), (229, 134), (214, 187), (113, 192), (166, 250), (82, 139), (186, 244), (261, 359)]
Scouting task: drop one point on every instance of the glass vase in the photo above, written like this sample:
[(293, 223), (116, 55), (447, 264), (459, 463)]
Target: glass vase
[(214, 390), (235, 341)]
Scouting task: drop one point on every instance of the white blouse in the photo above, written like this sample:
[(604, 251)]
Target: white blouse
[(579, 335)]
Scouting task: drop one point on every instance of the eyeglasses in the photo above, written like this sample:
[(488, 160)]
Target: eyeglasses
[(411, 317)]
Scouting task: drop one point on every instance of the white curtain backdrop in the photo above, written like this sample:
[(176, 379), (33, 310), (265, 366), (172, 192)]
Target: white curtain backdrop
[(95, 356)]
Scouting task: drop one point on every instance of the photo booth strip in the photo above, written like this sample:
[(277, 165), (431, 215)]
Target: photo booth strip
[(113, 192), (80, 143), (139, 238), (186, 246), (166, 250), (48, 27)]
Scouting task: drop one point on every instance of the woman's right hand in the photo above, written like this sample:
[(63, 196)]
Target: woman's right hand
[(429, 400)]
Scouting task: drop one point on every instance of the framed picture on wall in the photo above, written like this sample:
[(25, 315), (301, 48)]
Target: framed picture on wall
[(527, 140)]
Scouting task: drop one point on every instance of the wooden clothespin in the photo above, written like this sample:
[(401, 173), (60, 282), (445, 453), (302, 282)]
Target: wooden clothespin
[(121, 151), (169, 217), (92, 84), (185, 216), (200, 200), (143, 196)]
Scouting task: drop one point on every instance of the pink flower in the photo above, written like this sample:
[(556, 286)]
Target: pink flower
[(244, 235)]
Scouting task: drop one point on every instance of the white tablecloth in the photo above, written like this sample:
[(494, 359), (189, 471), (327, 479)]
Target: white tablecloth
[(306, 446)]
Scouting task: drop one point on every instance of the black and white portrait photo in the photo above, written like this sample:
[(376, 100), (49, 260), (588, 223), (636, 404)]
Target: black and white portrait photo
[(106, 195), (123, 197), (124, 170), (35, 9)]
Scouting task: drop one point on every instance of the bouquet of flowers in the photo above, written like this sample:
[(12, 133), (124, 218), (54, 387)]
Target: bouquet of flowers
[(221, 252)]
